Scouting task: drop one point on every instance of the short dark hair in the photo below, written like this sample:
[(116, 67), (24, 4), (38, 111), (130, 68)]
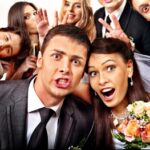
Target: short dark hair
[(70, 31)]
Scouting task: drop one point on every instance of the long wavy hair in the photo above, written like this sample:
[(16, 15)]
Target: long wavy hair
[(86, 21), (23, 50), (16, 19), (103, 121)]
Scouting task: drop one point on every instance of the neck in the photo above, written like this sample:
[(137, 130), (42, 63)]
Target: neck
[(34, 38), (121, 108)]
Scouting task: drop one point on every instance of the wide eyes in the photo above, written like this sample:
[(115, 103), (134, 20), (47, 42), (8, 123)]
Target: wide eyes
[(76, 62), (106, 69), (92, 73), (145, 8), (110, 68), (56, 56)]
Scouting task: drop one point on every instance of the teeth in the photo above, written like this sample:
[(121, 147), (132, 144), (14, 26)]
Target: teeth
[(61, 81), (70, 15), (107, 90)]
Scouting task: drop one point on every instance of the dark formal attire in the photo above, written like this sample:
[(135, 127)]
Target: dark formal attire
[(133, 24), (74, 124)]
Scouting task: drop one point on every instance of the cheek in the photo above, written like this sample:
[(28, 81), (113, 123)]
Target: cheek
[(122, 84), (94, 84)]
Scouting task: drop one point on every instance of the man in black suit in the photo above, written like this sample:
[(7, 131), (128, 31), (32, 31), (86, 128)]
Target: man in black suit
[(133, 28), (60, 64)]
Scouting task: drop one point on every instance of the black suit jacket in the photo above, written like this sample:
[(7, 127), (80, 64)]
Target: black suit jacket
[(133, 24), (75, 122)]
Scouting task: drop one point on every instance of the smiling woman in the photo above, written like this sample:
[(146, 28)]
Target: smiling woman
[(115, 79)]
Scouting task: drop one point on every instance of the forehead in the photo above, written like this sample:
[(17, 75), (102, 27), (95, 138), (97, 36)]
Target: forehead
[(73, 1), (101, 59), (68, 45), (140, 2), (28, 8)]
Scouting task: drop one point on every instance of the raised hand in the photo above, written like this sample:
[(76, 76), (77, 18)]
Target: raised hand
[(42, 22), (116, 32)]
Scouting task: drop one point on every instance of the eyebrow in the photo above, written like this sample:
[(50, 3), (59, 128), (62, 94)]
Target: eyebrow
[(103, 63), (143, 5), (62, 52)]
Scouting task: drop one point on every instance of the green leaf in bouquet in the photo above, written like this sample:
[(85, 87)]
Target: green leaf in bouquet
[(119, 137)]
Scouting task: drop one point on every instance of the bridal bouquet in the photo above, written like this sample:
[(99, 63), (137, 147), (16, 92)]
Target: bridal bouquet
[(134, 131)]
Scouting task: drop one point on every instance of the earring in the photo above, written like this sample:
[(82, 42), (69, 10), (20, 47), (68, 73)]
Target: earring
[(131, 81), (95, 93)]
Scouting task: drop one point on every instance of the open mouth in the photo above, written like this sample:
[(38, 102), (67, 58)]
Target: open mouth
[(62, 83), (108, 92)]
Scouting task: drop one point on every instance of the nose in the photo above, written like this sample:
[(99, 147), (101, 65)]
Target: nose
[(64, 67), (102, 79), (1, 44), (70, 8)]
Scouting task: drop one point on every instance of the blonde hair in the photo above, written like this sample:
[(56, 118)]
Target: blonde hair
[(86, 21)]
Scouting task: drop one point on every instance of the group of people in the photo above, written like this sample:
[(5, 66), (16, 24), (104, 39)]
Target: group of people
[(71, 78)]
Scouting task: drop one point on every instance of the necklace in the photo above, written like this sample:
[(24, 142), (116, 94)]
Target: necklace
[(117, 119)]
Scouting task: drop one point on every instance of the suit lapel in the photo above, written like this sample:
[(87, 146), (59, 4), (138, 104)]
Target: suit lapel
[(65, 126), (99, 14), (125, 17)]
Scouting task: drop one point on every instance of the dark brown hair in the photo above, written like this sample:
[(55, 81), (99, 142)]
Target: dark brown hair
[(22, 53), (70, 31), (103, 123), (16, 19)]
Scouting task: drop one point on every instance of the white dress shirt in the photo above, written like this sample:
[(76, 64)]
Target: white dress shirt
[(33, 116), (116, 13)]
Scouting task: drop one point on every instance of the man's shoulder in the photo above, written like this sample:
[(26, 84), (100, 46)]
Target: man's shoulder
[(99, 11), (12, 84), (135, 17), (11, 90), (78, 104)]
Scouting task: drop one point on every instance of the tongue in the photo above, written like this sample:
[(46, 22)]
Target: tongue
[(63, 83)]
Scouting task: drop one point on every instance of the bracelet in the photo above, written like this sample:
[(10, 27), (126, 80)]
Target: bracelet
[(132, 44)]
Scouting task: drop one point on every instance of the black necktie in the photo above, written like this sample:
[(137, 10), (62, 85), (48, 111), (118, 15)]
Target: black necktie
[(39, 138), (108, 21)]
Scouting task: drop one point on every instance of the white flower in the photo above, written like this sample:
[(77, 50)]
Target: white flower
[(147, 106), (138, 108)]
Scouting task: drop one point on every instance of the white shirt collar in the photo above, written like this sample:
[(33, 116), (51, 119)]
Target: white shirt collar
[(34, 103), (117, 12)]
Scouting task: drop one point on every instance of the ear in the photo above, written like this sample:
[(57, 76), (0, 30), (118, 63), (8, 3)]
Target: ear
[(39, 60), (130, 68)]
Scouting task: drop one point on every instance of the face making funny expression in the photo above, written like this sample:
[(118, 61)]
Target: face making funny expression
[(73, 10), (61, 66), (143, 7), (10, 44), (29, 17), (109, 77)]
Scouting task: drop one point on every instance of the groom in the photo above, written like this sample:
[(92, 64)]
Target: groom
[(60, 64)]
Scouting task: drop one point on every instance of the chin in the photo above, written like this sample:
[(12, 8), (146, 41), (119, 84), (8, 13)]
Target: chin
[(112, 4)]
